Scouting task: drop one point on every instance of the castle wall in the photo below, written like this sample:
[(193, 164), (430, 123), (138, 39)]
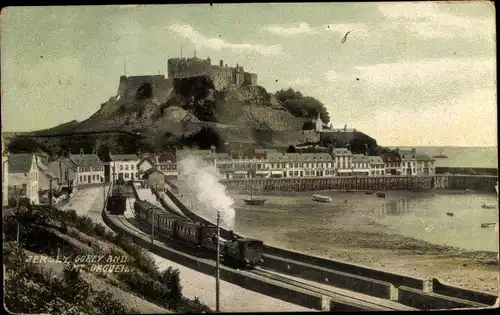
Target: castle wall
[(222, 77), (250, 79), (128, 85), (188, 67)]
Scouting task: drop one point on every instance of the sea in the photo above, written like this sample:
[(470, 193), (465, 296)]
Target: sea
[(462, 157)]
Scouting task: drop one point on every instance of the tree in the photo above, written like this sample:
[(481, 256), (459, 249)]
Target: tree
[(302, 106)]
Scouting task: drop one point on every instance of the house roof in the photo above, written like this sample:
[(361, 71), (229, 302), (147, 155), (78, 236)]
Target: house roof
[(424, 157), (375, 159), (389, 156), (165, 157), (123, 157), (146, 159), (299, 157), (407, 155), (20, 163), (359, 158), (86, 160), (44, 168), (341, 152)]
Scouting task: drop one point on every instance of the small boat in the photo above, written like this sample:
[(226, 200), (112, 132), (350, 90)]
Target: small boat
[(350, 191), (255, 202), (488, 224), (449, 214), (380, 195), (484, 206), (369, 192), (320, 198)]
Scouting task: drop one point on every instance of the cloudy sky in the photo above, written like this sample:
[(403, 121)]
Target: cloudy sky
[(426, 70)]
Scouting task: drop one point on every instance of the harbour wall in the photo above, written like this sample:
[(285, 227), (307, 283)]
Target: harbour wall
[(467, 170), (474, 182)]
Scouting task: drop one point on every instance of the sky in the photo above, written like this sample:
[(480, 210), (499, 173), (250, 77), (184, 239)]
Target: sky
[(426, 70)]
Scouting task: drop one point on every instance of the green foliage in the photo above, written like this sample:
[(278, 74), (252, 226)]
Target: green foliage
[(302, 106), (29, 290), (57, 297)]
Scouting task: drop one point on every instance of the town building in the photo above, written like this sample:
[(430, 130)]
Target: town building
[(377, 165), (392, 161), (123, 167), (153, 178), (244, 164), (425, 165), (23, 175), (166, 163), (408, 162), (5, 174), (45, 176), (360, 165), (89, 168), (342, 159), (300, 164), (64, 170)]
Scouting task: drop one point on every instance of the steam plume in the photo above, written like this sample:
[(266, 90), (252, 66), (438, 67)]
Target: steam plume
[(204, 194)]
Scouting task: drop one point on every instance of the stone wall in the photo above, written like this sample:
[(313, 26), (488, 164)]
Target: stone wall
[(128, 85), (479, 183), (333, 183)]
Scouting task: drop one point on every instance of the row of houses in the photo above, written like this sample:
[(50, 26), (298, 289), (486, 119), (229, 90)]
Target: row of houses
[(33, 174)]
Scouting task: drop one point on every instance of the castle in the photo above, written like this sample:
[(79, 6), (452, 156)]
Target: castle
[(222, 76)]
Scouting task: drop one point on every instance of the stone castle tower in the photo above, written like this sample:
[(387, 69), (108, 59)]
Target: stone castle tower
[(222, 76)]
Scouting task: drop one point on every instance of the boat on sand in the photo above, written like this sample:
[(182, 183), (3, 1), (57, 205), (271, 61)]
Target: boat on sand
[(320, 198)]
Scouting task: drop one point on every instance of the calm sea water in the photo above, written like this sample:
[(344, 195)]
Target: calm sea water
[(486, 157), (421, 216), (426, 218)]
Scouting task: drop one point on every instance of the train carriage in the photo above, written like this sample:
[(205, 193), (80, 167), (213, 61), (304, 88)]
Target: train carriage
[(166, 222)]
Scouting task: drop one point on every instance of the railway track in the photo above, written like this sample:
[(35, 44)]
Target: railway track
[(338, 301)]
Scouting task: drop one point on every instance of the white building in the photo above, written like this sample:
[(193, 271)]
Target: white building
[(23, 174), (408, 162), (89, 168), (393, 162), (377, 166), (123, 166), (45, 175), (425, 165), (300, 164), (360, 165), (5, 175), (342, 158)]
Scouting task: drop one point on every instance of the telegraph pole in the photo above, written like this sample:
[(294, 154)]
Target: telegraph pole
[(50, 194), (17, 207), (152, 226), (217, 292)]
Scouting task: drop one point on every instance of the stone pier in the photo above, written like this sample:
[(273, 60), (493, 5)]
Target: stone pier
[(479, 183)]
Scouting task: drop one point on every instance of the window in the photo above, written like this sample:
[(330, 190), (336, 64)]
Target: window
[(290, 173), (121, 167), (307, 173), (327, 173), (296, 173), (84, 177), (126, 167), (132, 167), (301, 164), (81, 178)]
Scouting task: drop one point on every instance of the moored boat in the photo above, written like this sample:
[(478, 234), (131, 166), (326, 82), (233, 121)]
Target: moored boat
[(484, 206), (380, 195), (320, 198), (488, 224), (255, 202), (369, 192), (449, 214)]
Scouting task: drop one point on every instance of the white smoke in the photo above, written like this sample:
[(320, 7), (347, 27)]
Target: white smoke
[(205, 194)]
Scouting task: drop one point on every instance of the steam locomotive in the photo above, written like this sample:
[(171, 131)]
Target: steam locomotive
[(244, 253)]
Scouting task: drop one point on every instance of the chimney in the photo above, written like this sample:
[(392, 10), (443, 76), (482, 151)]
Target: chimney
[(413, 151), (69, 153), (226, 65), (81, 152), (397, 151), (222, 63)]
